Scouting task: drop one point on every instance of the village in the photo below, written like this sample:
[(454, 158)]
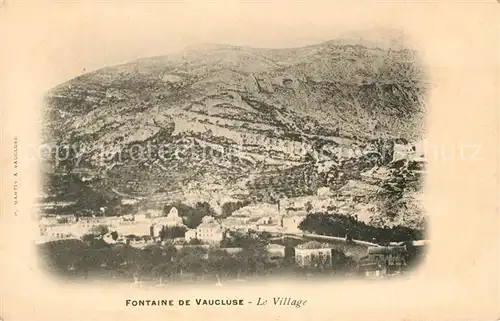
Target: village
[(277, 222), (277, 225)]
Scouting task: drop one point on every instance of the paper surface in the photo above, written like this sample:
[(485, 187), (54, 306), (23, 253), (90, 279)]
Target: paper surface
[(49, 43)]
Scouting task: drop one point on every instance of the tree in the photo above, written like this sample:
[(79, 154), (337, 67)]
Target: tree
[(195, 242), (205, 209), (220, 261), (94, 241), (172, 232), (114, 235), (191, 259), (347, 226), (308, 207), (229, 207)]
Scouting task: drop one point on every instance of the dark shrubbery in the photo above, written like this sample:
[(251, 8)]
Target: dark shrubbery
[(229, 207), (172, 232), (341, 225)]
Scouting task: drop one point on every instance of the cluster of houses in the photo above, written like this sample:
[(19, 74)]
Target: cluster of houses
[(284, 217), (379, 261), (138, 225)]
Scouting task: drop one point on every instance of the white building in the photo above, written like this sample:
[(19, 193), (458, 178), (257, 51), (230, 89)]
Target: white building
[(313, 254), (324, 192), (402, 151), (172, 219), (140, 217), (138, 228), (232, 223), (209, 231), (276, 250), (153, 213), (129, 201), (269, 228)]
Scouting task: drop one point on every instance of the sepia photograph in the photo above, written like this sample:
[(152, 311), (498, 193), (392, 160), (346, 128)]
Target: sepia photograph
[(226, 163), (249, 160)]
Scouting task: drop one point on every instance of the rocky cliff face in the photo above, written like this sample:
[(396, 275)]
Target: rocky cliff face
[(251, 122)]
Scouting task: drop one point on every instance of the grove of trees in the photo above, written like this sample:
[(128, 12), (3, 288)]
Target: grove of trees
[(342, 226)]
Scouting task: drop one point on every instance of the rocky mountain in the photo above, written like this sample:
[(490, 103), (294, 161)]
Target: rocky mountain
[(219, 122)]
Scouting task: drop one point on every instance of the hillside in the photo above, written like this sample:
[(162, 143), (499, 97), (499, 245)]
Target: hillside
[(220, 122)]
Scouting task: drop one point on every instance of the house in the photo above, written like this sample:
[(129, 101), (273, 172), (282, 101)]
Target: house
[(268, 227), (85, 225), (209, 231), (172, 219), (232, 223), (402, 151), (275, 250), (140, 217), (313, 253), (153, 213), (324, 192), (129, 201), (134, 228), (383, 260), (388, 255)]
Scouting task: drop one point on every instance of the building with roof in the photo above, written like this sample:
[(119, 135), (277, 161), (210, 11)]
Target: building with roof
[(172, 219), (390, 255), (134, 228), (271, 228), (313, 254), (232, 223), (275, 250), (403, 151), (153, 213), (209, 231), (324, 192), (383, 260)]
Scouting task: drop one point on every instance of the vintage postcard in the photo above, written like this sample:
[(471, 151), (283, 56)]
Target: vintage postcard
[(272, 160)]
